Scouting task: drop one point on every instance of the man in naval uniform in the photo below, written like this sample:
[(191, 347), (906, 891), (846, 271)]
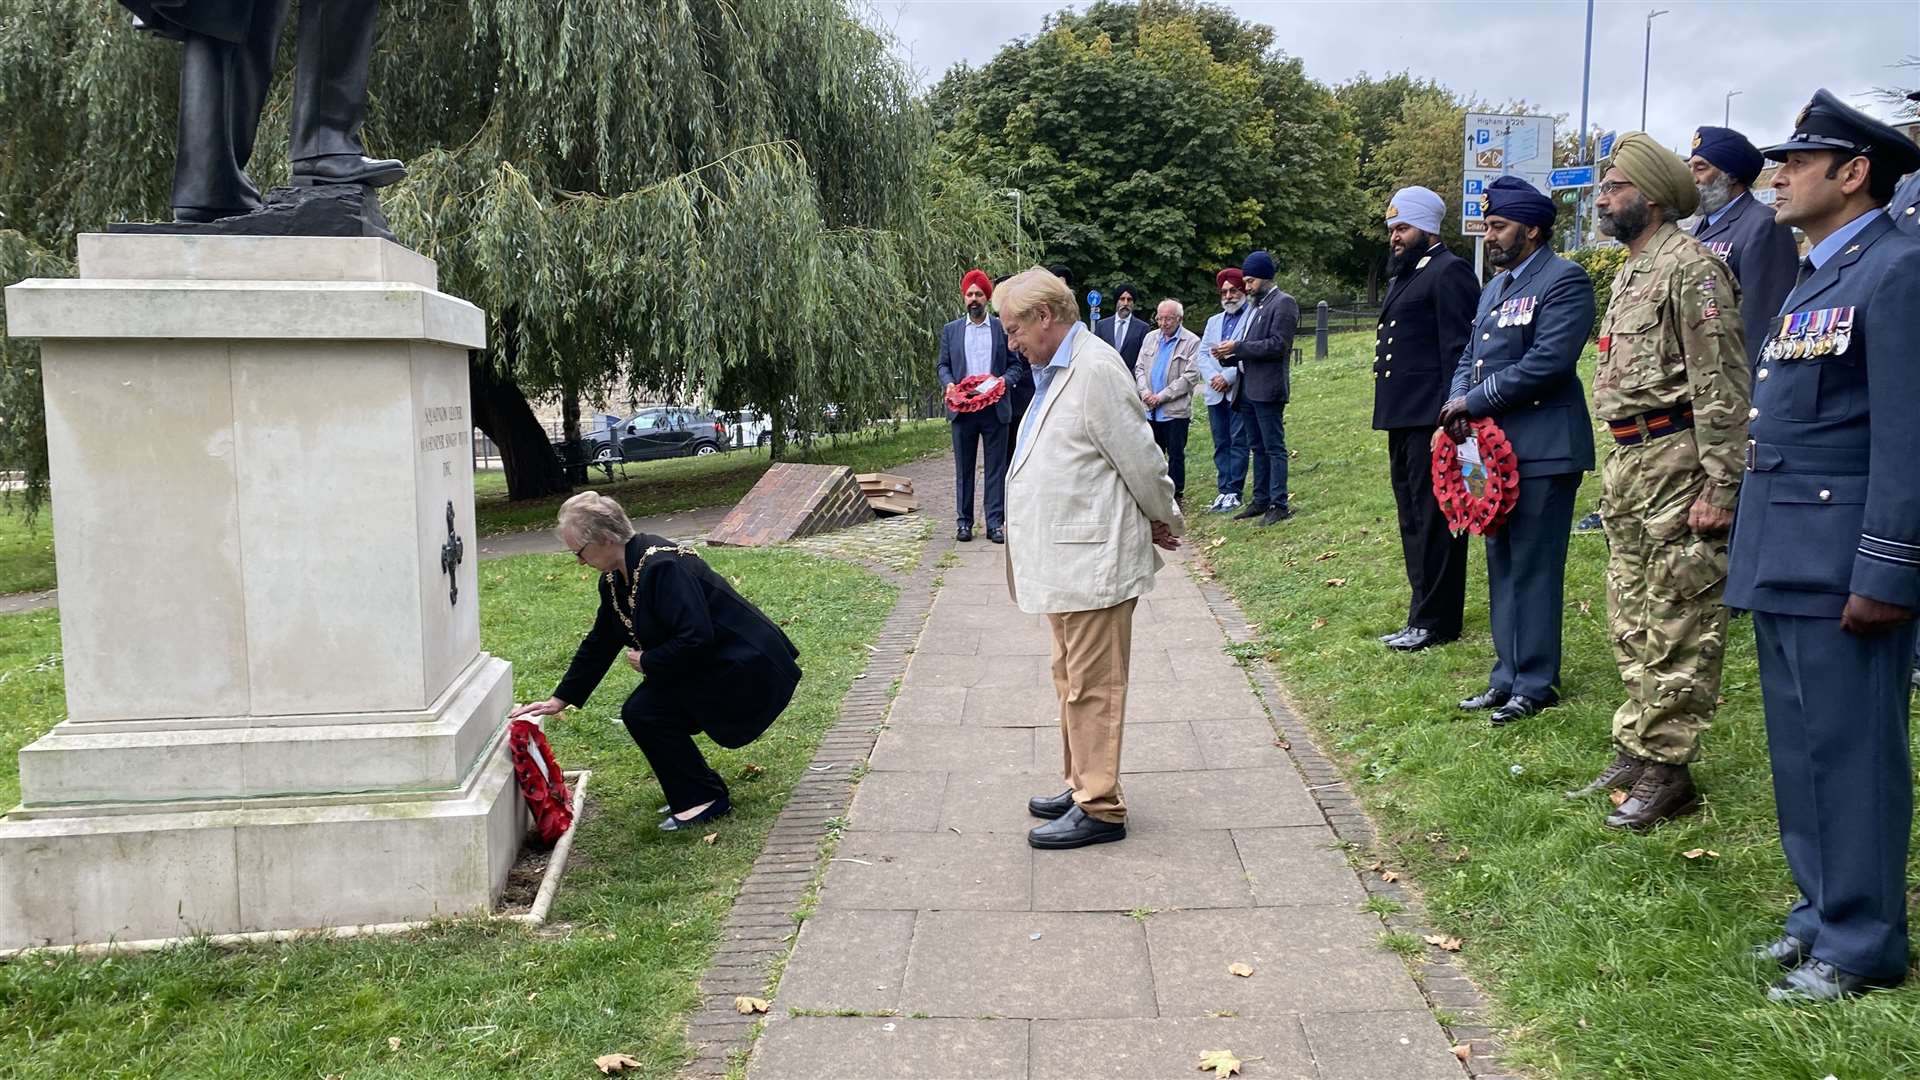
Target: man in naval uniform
[(1740, 229), (1826, 552)]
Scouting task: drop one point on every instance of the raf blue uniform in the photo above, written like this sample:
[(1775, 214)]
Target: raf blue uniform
[(1905, 207), (1830, 508), (1759, 250), (1520, 367)]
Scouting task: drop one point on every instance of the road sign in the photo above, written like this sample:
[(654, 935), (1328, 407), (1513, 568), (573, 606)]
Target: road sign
[(1093, 297), (1581, 176), (1606, 144), (1499, 145)]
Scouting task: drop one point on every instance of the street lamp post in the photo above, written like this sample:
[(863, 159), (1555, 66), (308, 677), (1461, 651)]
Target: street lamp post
[(1586, 82), (1726, 115), (1646, 65)]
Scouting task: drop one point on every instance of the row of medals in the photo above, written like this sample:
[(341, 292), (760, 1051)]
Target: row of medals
[(1826, 332), (1517, 311)]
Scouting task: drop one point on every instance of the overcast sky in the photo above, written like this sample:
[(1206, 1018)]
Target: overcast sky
[(1775, 52)]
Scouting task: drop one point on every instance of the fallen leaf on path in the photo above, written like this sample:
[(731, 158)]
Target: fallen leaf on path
[(1389, 876), (1444, 942), (751, 770), (615, 1063), (393, 1043), (1463, 1051), (1699, 851), (1319, 623), (1616, 796), (1217, 541), (747, 1006), (1220, 1063), (1242, 970), (1283, 744), (1377, 866), (1336, 582)]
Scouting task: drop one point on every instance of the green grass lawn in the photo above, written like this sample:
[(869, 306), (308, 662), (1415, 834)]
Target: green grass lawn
[(1608, 954), (642, 908), (663, 487), (26, 550)]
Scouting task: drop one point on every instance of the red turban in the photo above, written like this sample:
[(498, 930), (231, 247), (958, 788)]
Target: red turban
[(1231, 276), (977, 277)]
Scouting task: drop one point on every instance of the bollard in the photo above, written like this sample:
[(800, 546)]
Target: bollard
[(1320, 331)]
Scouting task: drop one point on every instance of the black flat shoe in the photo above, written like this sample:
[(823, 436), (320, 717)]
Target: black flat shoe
[(963, 533), (1786, 950), (1816, 981), (1275, 515), (1418, 638), (1050, 806), (1485, 699), (1075, 829), (998, 536), (721, 808), (1519, 707), (1251, 510), (348, 169)]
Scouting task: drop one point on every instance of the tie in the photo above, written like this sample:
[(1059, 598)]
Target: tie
[(1806, 271)]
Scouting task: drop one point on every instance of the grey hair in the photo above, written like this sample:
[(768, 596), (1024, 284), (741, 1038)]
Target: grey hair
[(593, 518), (1179, 309)]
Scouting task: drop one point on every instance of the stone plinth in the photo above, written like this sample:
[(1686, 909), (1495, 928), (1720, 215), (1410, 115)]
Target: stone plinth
[(278, 713), (792, 501)]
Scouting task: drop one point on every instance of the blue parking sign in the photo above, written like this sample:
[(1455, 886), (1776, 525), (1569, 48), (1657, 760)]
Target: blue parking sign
[(1476, 187)]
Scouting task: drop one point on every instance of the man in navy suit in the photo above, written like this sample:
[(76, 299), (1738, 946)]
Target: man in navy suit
[(1736, 227), (1123, 329), (974, 344), (1826, 552), (1519, 367)]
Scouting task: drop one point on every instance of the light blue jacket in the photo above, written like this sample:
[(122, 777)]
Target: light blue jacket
[(1209, 367)]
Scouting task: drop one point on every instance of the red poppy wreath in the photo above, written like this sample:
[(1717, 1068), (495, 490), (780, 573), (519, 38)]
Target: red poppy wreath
[(962, 398), (1481, 514)]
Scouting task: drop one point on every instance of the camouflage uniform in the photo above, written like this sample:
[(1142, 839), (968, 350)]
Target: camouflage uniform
[(1672, 335)]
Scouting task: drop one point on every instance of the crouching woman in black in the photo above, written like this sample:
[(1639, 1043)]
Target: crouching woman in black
[(711, 662)]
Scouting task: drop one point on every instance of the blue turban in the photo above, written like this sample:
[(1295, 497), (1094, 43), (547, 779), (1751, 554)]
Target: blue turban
[(1516, 200), (1260, 265), (1730, 152)]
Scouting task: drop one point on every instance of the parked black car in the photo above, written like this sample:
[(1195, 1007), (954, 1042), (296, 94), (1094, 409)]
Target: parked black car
[(659, 433)]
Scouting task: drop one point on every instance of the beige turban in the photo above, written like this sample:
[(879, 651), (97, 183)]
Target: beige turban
[(1657, 171)]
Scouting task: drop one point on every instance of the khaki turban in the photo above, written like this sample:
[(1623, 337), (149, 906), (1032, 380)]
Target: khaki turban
[(1657, 171)]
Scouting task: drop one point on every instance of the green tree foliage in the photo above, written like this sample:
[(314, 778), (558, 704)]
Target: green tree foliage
[(662, 196), (1156, 142), (1375, 110)]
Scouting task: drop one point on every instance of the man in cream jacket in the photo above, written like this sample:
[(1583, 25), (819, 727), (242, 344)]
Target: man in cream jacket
[(1088, 499)]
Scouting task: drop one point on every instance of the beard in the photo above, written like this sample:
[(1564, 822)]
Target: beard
[(1504, 257), (1625, 223), (1715, 195), (976, 311), (1232, 306), (1408, 254)]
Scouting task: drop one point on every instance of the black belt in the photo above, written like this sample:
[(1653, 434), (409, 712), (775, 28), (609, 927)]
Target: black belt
[(1635, 430)]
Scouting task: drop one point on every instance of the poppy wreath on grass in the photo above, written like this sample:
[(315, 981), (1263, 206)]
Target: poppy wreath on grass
[(961, 398), (1481, 514), (540, 780)]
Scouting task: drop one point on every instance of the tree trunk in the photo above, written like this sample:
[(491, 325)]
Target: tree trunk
[(570, 414), (501, 410)]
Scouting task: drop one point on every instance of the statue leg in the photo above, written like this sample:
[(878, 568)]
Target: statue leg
[(223, 87), (330, 96)]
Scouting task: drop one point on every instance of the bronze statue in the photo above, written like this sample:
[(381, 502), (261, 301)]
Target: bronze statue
[(225, 70)]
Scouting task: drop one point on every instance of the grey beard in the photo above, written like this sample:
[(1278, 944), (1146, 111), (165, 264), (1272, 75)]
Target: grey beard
[(1715, 196), (1232, 306)]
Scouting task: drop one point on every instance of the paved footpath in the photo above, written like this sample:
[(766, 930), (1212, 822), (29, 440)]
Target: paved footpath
[(943, 946)]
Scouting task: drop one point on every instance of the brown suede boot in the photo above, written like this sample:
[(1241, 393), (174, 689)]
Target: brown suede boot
[(1624, 772), (1663, 792)]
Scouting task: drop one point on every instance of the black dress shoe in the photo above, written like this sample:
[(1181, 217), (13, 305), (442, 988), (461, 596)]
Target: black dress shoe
[(1419, 638), (1817, 980), (348, 169), (1275, 515), (1486, 699), (199, 215), (1251, 510), (1075, 829), (1050, 806), (1786, 950), (1387, 639), (1519, 707), (721, 807), (963, 533), (997, 535)]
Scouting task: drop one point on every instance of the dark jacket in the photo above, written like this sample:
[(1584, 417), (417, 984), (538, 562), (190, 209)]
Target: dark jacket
[(1265, 353), (953, 363), (1763, 257), (1830, 505), (1905, 207), (704, 647), (1526, 374), (1423, 329), (1129, 349), (227, 20)]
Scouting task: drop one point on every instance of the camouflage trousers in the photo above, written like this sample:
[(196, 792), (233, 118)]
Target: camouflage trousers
[(1663, 598)]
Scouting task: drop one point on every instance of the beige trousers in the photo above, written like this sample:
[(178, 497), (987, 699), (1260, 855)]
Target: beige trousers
[(1090, 654)]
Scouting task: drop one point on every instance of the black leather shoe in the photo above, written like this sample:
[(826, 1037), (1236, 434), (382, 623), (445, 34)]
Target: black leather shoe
[(1387, 639), (1075, 829), (1786, 950), (963, 533), (1519, 707), (198, 215), (1275, 515), (721, 807), (1418, 638), (348, 169), (1050, 806), (1251, 510), (998, 536), (1817, 981), (1486, 699)]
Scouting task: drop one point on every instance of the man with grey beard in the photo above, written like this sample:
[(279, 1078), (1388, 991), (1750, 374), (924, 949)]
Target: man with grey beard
[(1740, 229)]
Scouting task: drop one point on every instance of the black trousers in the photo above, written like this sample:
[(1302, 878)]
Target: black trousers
[(1436, 559), (970, 432), (664, 730), (1527, 586), (223, 86), (1171, 437)]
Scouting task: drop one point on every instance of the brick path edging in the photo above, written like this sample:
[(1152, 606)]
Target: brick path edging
[(1440, 975)]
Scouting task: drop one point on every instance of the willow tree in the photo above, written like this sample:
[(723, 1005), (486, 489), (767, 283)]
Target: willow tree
[(675, 197)]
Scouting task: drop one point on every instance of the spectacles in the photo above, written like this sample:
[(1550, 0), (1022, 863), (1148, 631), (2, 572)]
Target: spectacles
[(583, 547), (1612, 186)]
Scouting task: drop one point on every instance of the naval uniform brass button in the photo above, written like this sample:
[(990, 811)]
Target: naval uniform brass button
[(1389, 341), (1753, 414), (1389, 356), (1387, 375), (1763, 374), (1825, 495)]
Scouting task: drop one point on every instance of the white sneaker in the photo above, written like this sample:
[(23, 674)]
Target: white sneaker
[(1229, 502), (1214, 506)]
